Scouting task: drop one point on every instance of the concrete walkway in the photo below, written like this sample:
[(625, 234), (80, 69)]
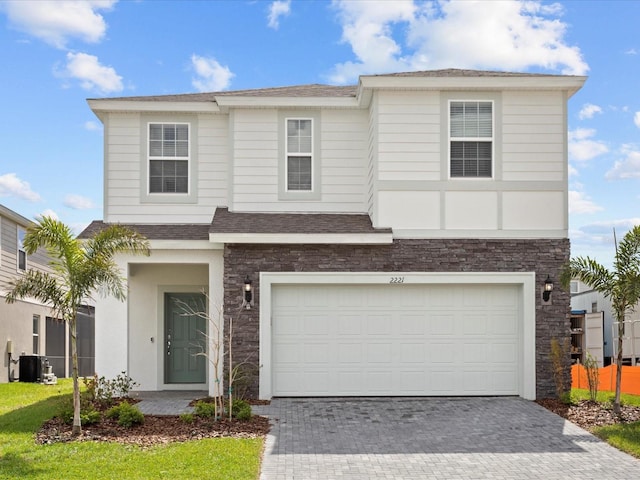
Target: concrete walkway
[(432, 438), (167, 402)]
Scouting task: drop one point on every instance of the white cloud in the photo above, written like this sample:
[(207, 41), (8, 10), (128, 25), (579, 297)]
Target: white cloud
[(636, 119), (78, 202), (628, 167), (277, 9), (91, 74), (582, 147), (12, 186), (579, 202), (212, 77), (505, 35), (631, 51), (573, 172), (50, 213), (91, 126), (56, 21), (588, 111)]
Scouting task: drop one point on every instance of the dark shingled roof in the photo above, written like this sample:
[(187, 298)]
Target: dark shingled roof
[(314, 90), (317, 90), (256, 223), (190, 231), (294, 223)]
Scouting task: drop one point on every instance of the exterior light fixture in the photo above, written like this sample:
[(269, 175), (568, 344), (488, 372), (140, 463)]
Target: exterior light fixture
[(247, 294), (548, 288)]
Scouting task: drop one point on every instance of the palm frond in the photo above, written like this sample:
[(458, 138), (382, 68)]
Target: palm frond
[(41, 286), (591, 273)]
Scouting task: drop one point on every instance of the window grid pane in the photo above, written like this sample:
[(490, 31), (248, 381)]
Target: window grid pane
[(471, 159), (299, 173), (168, 176)]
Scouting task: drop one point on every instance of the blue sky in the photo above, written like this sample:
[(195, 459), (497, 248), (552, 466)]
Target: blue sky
[(56, 54)]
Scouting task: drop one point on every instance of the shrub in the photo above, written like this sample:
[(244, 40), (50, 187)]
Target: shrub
[(128, 415), (241, 410), (591, 366), (104, 391), (205, 409), (187, 417), (559, 354), (88, 416)]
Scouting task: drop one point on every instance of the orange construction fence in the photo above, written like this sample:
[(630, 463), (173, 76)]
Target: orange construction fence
[(607, 379)]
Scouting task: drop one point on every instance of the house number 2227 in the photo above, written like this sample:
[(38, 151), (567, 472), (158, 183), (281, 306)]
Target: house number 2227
[(396, 280)]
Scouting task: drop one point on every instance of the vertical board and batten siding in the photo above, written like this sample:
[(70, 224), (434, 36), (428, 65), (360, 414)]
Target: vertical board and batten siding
[(124, 182), (533, 136), (342, 157)]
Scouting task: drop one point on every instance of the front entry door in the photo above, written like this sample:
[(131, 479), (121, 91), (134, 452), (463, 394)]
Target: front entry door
[(185, 338)]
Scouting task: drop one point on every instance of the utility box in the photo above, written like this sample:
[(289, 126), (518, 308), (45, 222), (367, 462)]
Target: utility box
[(30, 368)]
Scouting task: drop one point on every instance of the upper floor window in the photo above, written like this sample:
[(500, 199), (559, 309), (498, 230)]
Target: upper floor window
[(471, 139), (299, 154), (36, 334), (168, 158), (21, 253)]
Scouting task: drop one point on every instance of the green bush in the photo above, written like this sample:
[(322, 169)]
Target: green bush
[(128, 415), (241, 410), (187, 417), (105, 391), (205, 409), (88, 416)]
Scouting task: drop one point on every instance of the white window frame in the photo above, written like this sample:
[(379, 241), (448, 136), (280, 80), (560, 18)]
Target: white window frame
[(310, 155), (151, 158), (490, 140), (574, 286), (20, 249), (36, 334)]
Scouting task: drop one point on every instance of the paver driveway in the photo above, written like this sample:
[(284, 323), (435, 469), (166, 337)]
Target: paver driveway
[(432, 438)]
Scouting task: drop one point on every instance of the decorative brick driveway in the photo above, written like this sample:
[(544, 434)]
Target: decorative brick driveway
[(432, 438)]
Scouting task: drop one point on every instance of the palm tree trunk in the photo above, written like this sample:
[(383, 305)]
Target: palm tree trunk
[(77, 427), (616, 402)]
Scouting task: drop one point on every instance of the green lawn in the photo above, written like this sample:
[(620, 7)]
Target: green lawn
[(625, 437), (24, 407)]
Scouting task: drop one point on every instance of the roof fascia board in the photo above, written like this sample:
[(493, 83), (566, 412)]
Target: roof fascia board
[(300, 238), (16, 217), (106, 105), (569, 83), (230, 101)]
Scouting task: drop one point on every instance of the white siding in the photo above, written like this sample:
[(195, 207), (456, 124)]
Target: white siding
[(530, 168), (534, 132), (125, 181), (342, 157), (409, 136)]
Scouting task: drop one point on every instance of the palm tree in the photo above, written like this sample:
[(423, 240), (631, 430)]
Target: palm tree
[(621, 285), (78, 268)]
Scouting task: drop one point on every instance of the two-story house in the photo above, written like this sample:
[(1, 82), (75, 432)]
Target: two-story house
[(28, 327), (396, 234)]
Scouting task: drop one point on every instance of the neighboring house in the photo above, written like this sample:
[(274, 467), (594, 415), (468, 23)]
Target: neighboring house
[(27, 327), (584, 298), (397, 234)]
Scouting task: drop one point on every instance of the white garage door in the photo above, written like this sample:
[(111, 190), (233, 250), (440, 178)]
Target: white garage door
[(341, 340)]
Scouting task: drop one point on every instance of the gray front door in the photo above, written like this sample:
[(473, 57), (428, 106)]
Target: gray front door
[(185, 338)]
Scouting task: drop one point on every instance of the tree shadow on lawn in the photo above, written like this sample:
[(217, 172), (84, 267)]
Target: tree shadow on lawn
[(29, 419)]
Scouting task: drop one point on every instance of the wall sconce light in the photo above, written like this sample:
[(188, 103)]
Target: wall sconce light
[(548, 288), (247, 294)]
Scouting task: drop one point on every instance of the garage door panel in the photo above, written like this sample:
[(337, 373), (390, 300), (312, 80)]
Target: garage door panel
[(395, 340)]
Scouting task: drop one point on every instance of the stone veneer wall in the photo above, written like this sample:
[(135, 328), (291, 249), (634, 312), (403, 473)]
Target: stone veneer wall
[(545, 257)]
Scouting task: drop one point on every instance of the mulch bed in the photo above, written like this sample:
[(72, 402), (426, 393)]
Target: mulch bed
[(589, 415), (156, 429)]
